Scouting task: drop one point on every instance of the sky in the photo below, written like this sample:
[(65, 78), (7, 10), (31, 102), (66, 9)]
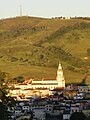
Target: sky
[(45, 8)]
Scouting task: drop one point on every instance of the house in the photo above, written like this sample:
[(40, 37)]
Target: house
[(84, 88), (87, 111), (74, 108), (66, 115), (24, 117), (26, 108), (18, 111), (54, 116), (49, 108), (39, 113)]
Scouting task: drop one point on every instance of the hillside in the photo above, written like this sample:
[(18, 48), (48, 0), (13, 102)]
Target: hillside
[(33, 47)]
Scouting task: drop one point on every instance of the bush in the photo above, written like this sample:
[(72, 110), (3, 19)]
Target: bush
[(77, 116), (88, 51)]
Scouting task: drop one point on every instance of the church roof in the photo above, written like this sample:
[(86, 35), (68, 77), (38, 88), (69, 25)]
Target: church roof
[(44, 83), (45, 80), (58, 89)]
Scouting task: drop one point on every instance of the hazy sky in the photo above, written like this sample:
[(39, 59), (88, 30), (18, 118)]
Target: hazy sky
[(45, 8)]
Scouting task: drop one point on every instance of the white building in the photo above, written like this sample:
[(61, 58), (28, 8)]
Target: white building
[(51, 84), (35, 86)]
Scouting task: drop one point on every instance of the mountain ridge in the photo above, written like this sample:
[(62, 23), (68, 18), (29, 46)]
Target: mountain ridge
[(32, 41)]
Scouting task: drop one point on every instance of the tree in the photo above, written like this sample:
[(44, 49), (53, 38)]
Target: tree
[(4, 78), (88, 51), (3, 112), (77, 116), (20, 79), (88, 118)]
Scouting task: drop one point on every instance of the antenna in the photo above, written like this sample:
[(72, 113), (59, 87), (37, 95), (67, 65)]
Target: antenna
[(20, 9)]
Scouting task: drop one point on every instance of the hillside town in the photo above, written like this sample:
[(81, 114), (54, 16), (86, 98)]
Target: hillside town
[(48, 99), (44, 60)]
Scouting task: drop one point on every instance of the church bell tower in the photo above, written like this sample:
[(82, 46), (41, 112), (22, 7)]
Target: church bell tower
[(60, 77)]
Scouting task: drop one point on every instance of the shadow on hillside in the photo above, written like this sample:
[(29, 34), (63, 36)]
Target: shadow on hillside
[(83, 82)]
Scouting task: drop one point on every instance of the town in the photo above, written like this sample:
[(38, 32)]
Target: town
[(44, 60), (48, 99)]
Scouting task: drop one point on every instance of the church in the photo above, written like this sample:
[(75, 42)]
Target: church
[(50, 84), (39, 87)]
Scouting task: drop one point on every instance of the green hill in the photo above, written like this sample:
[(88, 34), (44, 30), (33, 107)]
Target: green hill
[(33, 47)]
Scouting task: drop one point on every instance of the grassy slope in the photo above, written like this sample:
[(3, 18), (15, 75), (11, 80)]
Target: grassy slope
[(26, 46)]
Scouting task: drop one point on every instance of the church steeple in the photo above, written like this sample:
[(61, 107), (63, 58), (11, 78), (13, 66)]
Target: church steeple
[(60, 76)]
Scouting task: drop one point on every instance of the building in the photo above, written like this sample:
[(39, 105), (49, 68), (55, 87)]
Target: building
[(39, 114), (60, 77), (51, 84), (39, 87)]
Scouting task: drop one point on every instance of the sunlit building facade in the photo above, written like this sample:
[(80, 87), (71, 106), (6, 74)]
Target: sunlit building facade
[(51, 84), (39, 87)]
